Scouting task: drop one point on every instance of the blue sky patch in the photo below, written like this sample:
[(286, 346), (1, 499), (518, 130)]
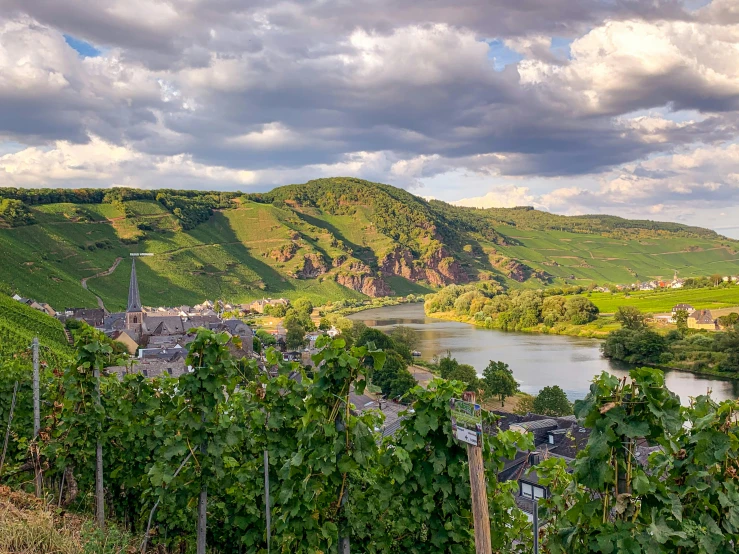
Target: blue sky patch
[(501, 55), (84, 48), (561, 47)]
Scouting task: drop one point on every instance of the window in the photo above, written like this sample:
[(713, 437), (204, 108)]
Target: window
[(146, 373), (551, 438), (539, 492)]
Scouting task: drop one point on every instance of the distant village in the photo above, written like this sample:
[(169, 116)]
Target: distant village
[(657, 284), (157, 338)]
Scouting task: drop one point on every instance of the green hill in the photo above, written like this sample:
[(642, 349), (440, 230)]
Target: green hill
[(19, 324), (328, 239)]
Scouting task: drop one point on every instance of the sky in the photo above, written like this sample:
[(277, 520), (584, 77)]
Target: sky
[(626, 107)]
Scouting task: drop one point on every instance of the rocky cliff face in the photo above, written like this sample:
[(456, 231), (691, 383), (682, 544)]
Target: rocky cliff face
[(358, 276), (313, 266), (285, 253), (439, 269)]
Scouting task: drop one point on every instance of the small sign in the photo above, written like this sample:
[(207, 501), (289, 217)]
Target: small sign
[(466, 421)]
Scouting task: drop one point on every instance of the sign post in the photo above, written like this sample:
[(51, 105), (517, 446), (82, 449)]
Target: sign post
[(467, 428)]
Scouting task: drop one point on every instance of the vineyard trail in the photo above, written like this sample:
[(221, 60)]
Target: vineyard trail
[(105, 273)]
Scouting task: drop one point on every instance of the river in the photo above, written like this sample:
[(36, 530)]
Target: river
[(537, 360)]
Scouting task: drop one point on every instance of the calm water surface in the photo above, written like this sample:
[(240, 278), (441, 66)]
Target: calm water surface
[(537, 360)]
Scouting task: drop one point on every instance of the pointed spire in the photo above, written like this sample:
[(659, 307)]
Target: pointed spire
[(134, 301)]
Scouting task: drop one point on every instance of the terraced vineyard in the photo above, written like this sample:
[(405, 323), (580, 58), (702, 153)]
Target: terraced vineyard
[(326, 240), (663, 301), (19, 324)]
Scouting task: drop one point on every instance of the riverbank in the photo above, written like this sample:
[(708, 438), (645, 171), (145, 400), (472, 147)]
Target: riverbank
[(537, 359), (375, 303), (598, 329)]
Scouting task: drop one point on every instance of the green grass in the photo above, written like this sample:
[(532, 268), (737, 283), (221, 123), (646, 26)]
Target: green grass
[(233, 255), (594, 258), (663, 300)]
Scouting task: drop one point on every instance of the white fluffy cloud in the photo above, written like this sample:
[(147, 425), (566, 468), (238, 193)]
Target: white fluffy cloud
[(643, 115)]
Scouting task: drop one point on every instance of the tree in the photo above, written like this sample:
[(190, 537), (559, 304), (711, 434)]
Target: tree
[(467, 374), (295, 337), (405, 335), (401, 384), (276, 310), (635, 346), (303, 306), (498, 380), (553, 309), (681, 320), (525, 404), (447, 365), (552, 401), (324, 324), (630, 318), (716, 279), (580, 310), (729, 320), (383, 342)]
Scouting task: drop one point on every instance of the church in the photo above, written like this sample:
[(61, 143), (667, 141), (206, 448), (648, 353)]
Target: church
[(159, 338)]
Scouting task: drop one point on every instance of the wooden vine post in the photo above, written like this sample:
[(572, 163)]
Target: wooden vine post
[(99, 490), (478, 491), (36, 417)]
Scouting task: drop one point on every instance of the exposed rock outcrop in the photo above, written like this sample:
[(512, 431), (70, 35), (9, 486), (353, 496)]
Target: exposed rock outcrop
[(439, 269), (358, 276), (284, 253), (313, 266)]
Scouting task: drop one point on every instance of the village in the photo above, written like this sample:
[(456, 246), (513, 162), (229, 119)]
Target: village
[(157, 339)]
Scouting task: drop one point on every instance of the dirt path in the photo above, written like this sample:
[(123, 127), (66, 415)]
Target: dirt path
[(421, 375), (108, 271)]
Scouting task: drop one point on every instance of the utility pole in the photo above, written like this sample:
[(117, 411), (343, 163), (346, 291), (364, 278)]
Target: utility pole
[(478, 490), (36, 417)]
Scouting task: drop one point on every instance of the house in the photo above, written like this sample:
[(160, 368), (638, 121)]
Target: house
[(126, 340), (292, 356), (702, 319), (677, 284), (259, 305), (680, 308), (93, 317)]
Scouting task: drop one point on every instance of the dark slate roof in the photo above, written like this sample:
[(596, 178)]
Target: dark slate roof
[(134, 301), (703, 317), (164, 325), (538, 424)]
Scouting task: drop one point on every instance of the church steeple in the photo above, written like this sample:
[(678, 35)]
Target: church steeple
[(134, 301)]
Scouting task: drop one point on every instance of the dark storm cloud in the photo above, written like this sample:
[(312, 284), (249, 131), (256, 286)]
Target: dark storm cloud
[(277, 86)]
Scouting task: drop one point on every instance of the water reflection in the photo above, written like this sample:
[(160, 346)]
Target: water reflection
[(537, 360)]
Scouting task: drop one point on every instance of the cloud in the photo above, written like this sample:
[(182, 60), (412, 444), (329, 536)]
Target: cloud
[(230, 94), (501, 197)]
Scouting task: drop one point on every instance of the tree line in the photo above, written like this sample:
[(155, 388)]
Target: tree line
[(493, 308), (684, 348)]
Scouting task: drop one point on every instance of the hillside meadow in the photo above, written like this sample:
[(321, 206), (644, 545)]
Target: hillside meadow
[(663, 300), (304, 240)]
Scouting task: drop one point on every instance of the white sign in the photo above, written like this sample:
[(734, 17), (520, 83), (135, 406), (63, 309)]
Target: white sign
[(467, 435)]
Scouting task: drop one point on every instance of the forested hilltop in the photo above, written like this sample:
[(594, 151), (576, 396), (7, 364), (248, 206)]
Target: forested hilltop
[(327, 240)]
